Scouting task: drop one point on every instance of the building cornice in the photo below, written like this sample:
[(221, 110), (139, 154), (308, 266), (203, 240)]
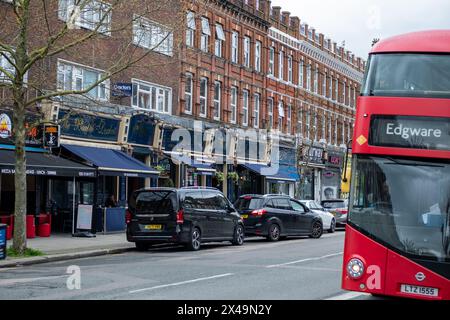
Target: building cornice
[(316, 54)]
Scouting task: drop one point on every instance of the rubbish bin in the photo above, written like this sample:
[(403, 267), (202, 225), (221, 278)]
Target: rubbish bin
[(2, 241)]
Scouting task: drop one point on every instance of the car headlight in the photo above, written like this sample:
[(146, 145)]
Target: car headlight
[(355, 268)]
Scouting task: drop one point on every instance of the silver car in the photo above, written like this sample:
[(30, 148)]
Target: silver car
[(338, 208)]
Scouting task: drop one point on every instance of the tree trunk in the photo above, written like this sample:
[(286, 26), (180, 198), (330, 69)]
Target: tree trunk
[(20, 181)]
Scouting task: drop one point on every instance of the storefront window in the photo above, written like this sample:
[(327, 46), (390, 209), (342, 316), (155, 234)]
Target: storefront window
[(307, 188)]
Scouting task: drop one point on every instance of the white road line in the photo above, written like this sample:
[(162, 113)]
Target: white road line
[(8, 282), (183, 282), (304, 260), (348, 296)]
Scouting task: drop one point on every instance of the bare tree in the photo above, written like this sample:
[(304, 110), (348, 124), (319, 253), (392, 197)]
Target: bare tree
[(34, 32)]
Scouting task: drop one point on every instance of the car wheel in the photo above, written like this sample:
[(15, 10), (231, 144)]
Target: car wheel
[(274, 232), (238, 238), (142, 246), (195, 240), (317, 230), (332, 227)]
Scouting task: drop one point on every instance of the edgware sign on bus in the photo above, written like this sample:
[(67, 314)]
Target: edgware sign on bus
[(430, 133)]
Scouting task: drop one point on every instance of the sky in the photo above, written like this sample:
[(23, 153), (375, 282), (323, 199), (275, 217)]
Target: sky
[(357, 22)]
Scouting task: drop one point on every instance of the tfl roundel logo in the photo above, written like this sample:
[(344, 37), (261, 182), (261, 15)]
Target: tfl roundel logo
[(420, 276)]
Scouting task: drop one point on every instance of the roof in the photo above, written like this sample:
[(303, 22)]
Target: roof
[(433, 41)]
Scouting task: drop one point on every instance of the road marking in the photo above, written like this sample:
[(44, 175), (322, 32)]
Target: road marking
[(8, 282), (304, 260), (348, 296), (183, 282)]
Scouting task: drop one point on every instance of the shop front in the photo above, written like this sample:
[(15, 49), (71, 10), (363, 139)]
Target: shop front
[(331, 175), (312, 164)]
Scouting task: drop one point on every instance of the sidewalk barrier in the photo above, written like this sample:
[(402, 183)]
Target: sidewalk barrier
[(31, 227), (113, 220)]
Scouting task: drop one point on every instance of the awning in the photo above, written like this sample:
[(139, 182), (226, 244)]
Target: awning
[(45, 164), (111, 162), (202, 168), (282, 174)]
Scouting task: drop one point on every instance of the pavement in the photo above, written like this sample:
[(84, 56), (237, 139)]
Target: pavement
[(292, 269), (60, 247)]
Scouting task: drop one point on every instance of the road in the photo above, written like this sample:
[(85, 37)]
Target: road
[(293, 269)]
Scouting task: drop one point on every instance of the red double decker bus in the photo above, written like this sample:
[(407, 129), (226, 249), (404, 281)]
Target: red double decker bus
[(398, 233)]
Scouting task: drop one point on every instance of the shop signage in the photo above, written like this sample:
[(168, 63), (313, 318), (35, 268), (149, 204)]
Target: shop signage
[(51, 135), (88, 126), (431, 133), (313, 155), (33, 129), (84, 218), (5, 126), (122, 89), (141, 130)]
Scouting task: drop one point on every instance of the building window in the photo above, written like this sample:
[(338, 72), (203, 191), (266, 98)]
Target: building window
[(256, 103), (75, 77), (301, 74), (308, 122), (335, 131), (330, 136), (303, 29), (220, 38), (349, 98), (92, 15), (203, 96), (344, 93), (247, 52), (151, 35), (288, 119), (354, 97), (349, 132), (258, 56), (315, 115), (235, 47), (330, 84), (217, 100), (343, 131), (188, 89), (316, 79), (272, 61), (281, 66), (206, 33), (336, 89), (290, 69), (324, 122), (7, 66), (151, 97), (233, 104), (324, 84), (280, 115), (245, 97), (270, 113), (308, 77), (190, 31), (300, 119)]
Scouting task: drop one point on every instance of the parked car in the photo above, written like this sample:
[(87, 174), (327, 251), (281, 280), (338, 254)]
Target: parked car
[(338, 208), (277, 216), (190, 216), (328, 220)]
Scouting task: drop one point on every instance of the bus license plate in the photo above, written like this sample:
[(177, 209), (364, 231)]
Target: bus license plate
[(422, 291), (153, 227)]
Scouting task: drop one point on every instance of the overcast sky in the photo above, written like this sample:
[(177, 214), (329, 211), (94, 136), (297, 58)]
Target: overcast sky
[(359, 21)]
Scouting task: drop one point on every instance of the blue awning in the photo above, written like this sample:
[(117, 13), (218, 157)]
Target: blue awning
[(282, 174), (111, 162)]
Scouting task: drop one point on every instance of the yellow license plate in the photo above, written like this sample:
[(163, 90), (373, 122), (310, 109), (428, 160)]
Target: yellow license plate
[(244, 216), (153, 227)]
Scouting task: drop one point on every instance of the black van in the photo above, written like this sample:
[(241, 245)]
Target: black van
[(190, 216)]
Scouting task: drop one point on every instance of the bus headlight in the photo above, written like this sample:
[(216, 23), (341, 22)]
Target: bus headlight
[(355, 268)]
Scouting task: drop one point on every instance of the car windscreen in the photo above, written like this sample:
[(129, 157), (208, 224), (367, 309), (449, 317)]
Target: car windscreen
[(333, 204), (248, 203), (156, 202)]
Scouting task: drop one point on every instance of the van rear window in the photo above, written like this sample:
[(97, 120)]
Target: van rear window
[(156, 202), (333, 204)]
